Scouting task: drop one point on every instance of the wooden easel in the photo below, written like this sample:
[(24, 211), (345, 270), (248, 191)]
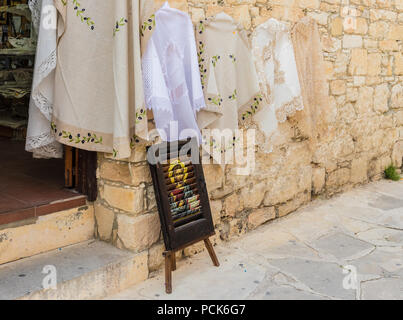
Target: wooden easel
[(170, 262), (197, 222)]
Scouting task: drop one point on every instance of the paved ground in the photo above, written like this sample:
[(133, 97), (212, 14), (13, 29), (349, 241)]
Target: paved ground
[(316, 253)]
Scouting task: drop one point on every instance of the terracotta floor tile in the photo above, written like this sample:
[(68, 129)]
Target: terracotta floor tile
[(10, 204), (26, 182)]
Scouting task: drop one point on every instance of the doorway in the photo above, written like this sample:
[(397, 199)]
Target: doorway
[(28, 187)]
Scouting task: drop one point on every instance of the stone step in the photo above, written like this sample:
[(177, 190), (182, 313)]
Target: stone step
[(89, 270), (43, 233)]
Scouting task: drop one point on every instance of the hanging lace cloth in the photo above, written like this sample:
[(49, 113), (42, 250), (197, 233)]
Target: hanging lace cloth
[(171, 75), (99, 97), (278, 76), (309, 56), (40, 138), (35, 7), (229, 78)]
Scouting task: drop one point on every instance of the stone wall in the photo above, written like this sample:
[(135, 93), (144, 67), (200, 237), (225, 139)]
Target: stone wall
[(365, 70)]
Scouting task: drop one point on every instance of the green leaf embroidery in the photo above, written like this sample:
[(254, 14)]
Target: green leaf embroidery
[(120, 23), (76, 137), (149, 24), (80, 13), (253, 108), (215, 59)]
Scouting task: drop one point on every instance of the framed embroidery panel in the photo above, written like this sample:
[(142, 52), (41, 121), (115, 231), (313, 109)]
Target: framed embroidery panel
[(181, 194)]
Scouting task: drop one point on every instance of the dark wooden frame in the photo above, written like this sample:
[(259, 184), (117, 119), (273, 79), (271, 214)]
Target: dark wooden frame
[(170, 261), (192, 229), (80, 171)]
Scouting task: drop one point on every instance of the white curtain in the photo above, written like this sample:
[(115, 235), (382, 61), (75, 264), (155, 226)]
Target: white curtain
[(40, 137)]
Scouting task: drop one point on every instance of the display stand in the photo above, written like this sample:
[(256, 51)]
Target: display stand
[(182, 200)]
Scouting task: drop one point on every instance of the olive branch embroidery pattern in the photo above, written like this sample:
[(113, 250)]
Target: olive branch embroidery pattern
[(133, 141), (201, 27), (254, 107), (140, 115), (149, 24), (234, 96), (216, 100), (214, 60), (80, 13), (120, 23), (77, 138), (232, 57), (213, 143), (203, 70)]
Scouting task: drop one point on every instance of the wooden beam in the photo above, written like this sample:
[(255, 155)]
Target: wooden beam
[(68, 167)]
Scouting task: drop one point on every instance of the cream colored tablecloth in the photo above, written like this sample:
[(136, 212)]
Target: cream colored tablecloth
[(99, 100)]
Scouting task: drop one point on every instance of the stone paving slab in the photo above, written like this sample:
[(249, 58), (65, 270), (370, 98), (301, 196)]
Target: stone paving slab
[(348, 247), (342, 245)]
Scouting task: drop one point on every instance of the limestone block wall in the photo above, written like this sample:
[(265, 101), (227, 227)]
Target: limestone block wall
[(365, 70)]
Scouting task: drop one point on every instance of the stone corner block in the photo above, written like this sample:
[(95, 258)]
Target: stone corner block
[(104, 218), (138, 233), (130, 200)]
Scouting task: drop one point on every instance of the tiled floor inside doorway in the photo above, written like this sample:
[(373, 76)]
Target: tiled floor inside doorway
[(31, 187)]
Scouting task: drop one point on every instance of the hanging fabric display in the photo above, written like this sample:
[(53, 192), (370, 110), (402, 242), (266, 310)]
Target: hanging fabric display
[(229, 78), (278, 76), (40, 138), (99, 100), (171, 76), (308, 53)]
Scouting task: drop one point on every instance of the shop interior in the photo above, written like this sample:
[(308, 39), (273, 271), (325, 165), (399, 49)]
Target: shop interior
[(25, 183)]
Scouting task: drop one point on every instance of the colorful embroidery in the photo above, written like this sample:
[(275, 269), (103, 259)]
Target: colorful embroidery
[(148, 25), (232, 57), (217, 146), (120, 23), (133, 141), (80, 13), (217, 100), (186, 214), (186, 195), (76, 137), (140, 115), (202, 68), (234, 95), (190, 206), (253, 108), (181, 190), (200, 54), (179, 171), (181, 203), (214, 60), (201, 27)]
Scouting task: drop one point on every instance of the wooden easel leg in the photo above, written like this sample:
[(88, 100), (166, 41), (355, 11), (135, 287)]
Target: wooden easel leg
[(168, 272), (211, 252), (173, 261)]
